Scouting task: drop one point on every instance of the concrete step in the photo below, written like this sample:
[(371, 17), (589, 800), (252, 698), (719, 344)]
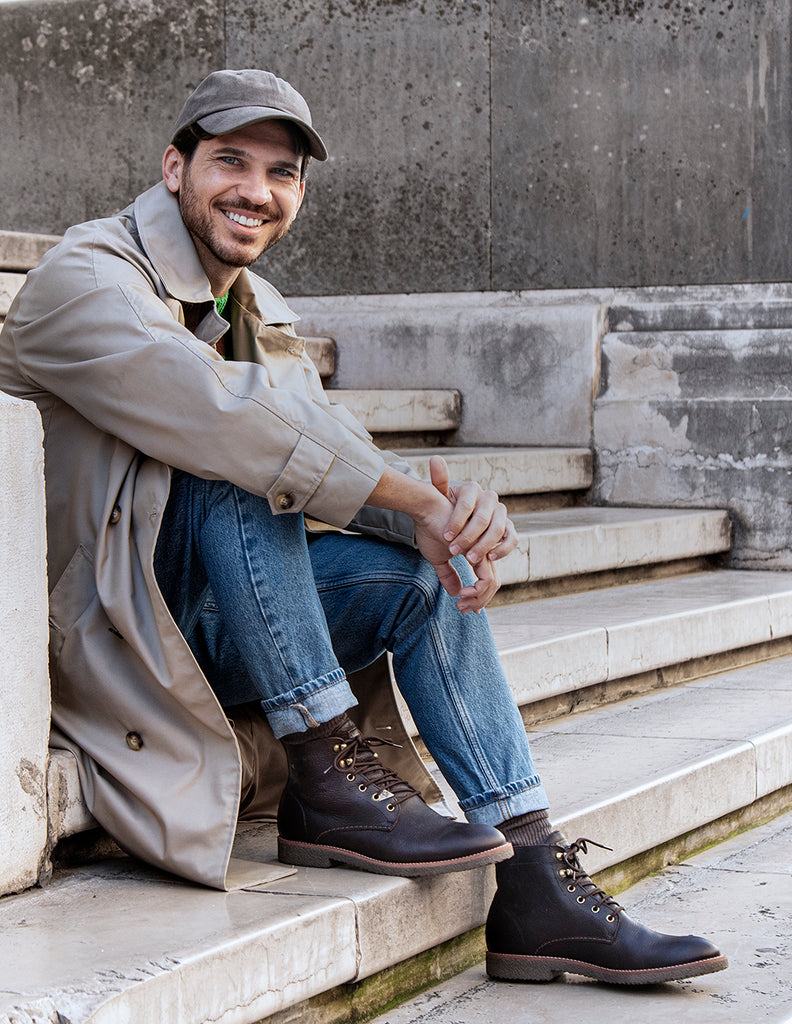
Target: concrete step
[(737, 894), (696, 364), (688, 314), (577, 541), (561, 645), (120, 942), (22, 250), (511, 471), (730, 453), (405, 410)]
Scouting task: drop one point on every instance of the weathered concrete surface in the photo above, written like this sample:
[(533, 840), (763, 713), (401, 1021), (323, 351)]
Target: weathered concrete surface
[(697, 364), (733, 453), (401, 93), (21, 250), (24, 681), (640, 142), (525, 366), (88, 92), (475, 146)]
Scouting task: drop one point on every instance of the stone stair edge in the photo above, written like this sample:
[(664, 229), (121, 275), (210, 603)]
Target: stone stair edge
[(574, 542)]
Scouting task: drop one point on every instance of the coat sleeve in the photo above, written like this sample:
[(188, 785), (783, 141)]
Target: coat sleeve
[(90, 328)]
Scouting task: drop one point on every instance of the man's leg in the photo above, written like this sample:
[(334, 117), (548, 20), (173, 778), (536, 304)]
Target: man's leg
[(340, 803), (547, 917)]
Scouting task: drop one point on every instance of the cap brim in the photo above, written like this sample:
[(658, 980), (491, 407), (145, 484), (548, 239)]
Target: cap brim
[(224, 121)]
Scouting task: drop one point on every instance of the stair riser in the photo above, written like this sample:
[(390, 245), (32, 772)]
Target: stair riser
[(684, 316), (729, 364)]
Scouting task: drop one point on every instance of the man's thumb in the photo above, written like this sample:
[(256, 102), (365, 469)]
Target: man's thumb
[(438, 474)]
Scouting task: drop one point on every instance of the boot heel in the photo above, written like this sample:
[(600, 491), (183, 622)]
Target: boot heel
[(302, 855), (519, 968)]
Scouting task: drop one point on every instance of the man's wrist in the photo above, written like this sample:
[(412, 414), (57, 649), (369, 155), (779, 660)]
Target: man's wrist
[(401, 493)]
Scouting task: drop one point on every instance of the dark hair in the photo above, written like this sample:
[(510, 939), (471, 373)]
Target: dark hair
[(186, 141)]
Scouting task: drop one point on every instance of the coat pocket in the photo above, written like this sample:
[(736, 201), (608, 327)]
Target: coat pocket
[(71, 595)]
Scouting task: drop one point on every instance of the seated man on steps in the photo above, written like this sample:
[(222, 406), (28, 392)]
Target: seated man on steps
[(186, 435)]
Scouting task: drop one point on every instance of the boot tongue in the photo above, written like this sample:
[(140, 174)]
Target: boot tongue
[(556, 839)]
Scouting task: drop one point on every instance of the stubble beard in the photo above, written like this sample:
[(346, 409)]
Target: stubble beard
[(198, 222)]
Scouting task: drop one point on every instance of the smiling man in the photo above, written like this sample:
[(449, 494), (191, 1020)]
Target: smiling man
[(195, 620)]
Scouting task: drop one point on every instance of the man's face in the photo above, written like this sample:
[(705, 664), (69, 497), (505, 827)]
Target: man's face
[(238, 195)]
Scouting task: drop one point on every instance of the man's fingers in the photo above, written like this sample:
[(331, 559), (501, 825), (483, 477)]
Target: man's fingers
[(476, 597), (483, 532), (449, 578), (507, 543), (472, 515)]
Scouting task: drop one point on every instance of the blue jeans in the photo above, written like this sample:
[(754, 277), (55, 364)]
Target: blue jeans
[(295, 608)]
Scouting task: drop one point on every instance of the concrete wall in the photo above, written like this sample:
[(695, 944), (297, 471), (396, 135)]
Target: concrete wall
[(24, 680), (507, 145)]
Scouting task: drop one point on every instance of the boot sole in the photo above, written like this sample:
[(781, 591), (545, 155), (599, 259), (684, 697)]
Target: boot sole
[(514, 967), (309, 855)]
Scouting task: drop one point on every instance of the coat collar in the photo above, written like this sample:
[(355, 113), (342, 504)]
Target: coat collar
[(170, 249)]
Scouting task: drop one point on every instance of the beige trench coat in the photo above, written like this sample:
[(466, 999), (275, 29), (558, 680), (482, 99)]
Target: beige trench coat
[(97, 339)]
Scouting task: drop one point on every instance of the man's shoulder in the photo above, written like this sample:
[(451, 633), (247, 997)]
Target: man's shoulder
[(91, 254)]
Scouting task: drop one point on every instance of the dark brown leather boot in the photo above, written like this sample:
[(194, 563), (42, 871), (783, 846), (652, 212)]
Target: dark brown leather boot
[(548, 917), (341, 805)]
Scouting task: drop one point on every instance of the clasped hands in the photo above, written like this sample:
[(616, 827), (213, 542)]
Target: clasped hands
[(472, 522)]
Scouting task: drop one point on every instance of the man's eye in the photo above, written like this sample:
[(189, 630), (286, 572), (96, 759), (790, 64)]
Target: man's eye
[(231, 160)]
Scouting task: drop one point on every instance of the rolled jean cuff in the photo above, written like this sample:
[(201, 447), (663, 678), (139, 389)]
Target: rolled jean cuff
[(498, 805), (309, 704)]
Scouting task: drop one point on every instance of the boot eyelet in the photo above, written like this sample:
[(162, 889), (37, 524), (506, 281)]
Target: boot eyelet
[(571, 888), (375, 754), (559, 855), (336, 748), (581, 899), (391, 807), (362, 788), (595, 910), (351, 777), (611, 917), (562, 873)]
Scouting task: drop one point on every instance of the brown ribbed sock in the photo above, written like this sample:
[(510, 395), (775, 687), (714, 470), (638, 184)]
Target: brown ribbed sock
[(531, 829), (341, 725)]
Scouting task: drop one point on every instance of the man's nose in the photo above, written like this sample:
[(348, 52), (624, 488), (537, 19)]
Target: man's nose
[(255, 188)]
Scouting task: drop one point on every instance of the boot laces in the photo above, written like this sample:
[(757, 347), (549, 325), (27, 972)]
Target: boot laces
[(356, 758), (578, 879)]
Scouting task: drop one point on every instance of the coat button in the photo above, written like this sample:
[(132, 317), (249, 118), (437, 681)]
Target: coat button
[(284, 501), (115, 515), (134, 740)]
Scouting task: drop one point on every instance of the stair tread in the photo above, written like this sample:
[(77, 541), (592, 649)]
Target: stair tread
[(22, 250), (587, 539), (511, 471), (403, 409), (632, 774)]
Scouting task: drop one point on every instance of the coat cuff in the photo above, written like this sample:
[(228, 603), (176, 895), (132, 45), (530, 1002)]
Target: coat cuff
[(325, 486)]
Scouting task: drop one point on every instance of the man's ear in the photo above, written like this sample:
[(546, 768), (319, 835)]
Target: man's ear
[(172, 167), (302, 194)]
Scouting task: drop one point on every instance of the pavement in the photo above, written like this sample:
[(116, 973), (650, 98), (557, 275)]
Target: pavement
[(738, 894)]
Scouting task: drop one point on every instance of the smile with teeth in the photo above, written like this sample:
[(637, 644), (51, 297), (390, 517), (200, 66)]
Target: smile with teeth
[(248, 222)]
